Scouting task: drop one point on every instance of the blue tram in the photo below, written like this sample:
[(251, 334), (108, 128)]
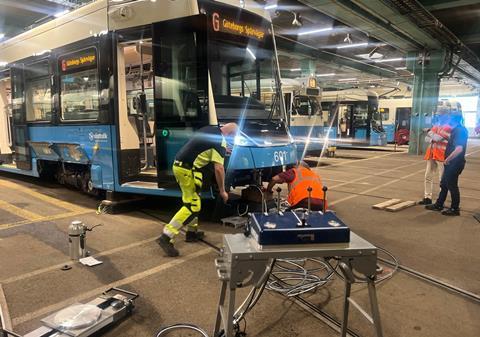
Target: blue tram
[(103, 97)]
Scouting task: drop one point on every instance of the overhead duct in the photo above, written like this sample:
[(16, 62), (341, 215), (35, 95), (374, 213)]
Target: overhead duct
[(429, 23)]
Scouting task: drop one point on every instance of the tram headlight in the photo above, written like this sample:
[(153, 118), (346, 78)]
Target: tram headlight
[(241, 141)]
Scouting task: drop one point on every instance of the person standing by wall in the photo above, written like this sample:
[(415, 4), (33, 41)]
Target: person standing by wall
[(454, 165), (435, 155)]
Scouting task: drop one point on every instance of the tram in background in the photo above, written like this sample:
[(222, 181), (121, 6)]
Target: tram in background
[(103, 97), (309, 125), (356, 117)]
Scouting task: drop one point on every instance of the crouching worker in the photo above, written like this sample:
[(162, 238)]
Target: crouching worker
[(299, 179), (208, 146)]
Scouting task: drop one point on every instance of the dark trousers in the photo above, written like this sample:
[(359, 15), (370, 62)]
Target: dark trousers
[(449, 182)]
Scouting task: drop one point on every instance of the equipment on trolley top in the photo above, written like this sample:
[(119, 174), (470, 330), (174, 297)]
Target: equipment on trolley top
[(297, 226)]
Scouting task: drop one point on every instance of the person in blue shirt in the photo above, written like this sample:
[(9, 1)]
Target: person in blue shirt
[(454, 164)]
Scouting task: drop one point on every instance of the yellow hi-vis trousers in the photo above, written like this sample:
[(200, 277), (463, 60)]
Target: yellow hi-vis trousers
[(190, 182)]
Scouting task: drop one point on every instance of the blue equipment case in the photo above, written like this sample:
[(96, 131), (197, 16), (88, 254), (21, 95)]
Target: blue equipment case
[(287, 228)]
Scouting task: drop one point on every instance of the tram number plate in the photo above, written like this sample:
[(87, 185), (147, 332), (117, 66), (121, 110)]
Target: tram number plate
[(280, 156)]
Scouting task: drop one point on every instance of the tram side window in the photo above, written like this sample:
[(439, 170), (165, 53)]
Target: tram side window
[(38, 97), (38, 100), (79, 95), (385, 113)]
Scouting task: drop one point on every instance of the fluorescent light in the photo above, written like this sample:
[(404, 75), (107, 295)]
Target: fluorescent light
[(42, 52), (401, 68), (348, 79), (353, 45), (389, 60), (296, 69), (315, 31), (325, 75), (251, 53), (62, 13), (271, 6)]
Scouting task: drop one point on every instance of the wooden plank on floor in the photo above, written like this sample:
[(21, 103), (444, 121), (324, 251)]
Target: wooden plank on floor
[(386, 204), (400, 206)]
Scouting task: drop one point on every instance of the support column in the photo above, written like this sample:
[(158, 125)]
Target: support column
[(426, 67)]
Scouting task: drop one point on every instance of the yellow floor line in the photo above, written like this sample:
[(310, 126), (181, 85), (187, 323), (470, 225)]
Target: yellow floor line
[(51, 200), (30, 216), (45, 218), (133, 278)]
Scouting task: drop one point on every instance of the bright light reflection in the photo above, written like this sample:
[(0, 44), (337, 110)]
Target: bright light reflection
[(315, 31)]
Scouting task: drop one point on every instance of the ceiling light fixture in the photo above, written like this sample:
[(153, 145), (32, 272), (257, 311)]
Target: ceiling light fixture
[(315, 31), (389, 60), (401, 68), (62, 13), (297, 20), (353, 45), (296, 69), (347, 39), (348, 79), (326, 75), (273, 6)]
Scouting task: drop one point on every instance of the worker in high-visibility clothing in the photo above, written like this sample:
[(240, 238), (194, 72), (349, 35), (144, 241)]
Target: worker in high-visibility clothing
[(192, 163), (299, 178), (437, 138)]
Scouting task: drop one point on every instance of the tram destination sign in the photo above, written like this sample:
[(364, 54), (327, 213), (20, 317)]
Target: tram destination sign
[(224, 24), (80, 59)]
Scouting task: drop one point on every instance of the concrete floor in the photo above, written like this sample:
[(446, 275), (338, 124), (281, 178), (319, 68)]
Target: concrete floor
[(34, 217)]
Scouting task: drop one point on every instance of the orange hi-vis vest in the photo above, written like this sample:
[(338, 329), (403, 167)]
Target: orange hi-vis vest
[(436, 149), (304, 178)]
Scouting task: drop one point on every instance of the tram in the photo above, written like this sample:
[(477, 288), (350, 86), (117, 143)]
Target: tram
[(103, 97)]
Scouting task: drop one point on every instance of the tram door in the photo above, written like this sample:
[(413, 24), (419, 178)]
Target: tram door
[(180, 86), (22, 155), (5, 118)]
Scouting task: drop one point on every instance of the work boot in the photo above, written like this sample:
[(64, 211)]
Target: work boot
[(451, 212), (167, 246), (434, 207), (425, 201), (194, 236)]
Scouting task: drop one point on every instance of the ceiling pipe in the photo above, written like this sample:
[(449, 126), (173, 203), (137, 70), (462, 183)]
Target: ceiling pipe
[(429, 23), (378, 21)]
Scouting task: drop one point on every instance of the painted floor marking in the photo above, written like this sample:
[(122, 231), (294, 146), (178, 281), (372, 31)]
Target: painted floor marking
[(23, 213), (59, 265), (43, 219), (43, 197), (95, 292)]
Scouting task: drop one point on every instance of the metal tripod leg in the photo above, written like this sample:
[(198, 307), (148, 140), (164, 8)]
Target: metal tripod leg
[(346, 308), (221, 302), (372, 293), (226, 310), (349, 280)]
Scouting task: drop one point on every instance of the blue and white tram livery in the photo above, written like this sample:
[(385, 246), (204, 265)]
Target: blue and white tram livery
[(105, 102), (356, 117)]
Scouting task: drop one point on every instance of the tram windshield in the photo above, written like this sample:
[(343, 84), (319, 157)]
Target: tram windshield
[(243, 66)]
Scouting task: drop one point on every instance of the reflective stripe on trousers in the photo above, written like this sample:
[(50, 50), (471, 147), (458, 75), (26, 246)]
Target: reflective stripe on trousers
[(190, 183)]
